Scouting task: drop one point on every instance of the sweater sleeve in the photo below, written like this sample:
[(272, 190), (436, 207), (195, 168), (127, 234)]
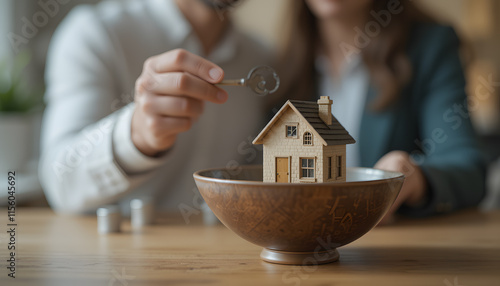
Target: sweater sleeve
[(452, 161), (85, 145)]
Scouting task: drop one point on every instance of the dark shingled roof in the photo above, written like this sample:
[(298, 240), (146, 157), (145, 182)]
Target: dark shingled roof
[(334, 134)]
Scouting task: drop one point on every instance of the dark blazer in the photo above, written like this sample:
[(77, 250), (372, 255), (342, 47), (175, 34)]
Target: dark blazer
[(431, 122)]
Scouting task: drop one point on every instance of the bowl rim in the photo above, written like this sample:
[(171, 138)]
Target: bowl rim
[(396, 177)]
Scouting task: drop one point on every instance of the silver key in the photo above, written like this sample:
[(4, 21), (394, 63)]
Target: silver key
[(262, 80)]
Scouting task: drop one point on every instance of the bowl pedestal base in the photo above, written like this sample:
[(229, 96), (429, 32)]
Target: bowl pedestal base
[(299, 258)]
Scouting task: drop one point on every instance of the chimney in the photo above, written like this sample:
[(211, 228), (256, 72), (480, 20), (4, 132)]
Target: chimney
[(325, 109)]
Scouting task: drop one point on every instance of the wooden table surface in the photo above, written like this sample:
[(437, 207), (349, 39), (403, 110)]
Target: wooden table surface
[(460, 249)]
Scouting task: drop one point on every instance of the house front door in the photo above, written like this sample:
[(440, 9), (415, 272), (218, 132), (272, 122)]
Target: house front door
[(282, 170)]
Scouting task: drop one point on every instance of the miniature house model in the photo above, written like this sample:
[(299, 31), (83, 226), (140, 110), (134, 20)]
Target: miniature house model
[(304, 143)]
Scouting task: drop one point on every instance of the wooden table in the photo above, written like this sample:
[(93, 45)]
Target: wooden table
[(460, 249)]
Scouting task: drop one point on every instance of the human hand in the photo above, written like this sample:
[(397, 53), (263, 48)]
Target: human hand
[(170, 95), (414, 187)]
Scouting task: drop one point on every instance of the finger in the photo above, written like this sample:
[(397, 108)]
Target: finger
[(185, 84), (161, 143), (160, 126), (382, 164), (183, 61), (174, 106)]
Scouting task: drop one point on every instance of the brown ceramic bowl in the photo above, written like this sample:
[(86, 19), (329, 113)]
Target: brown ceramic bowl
[(299, 223)]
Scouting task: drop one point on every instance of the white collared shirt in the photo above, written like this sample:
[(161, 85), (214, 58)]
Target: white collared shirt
[(88, 158), (348, 93)]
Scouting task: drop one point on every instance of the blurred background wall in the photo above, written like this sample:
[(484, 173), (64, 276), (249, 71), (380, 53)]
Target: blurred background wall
[(477, 21)]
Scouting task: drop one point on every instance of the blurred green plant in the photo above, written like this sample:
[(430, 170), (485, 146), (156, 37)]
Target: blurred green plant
[(16, 95)]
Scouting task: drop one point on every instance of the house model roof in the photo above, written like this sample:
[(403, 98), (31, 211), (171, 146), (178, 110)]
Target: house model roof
[(334, 134)]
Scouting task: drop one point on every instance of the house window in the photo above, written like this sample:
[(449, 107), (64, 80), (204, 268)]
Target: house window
[(291, 131), (329, 167), (307, 167), (339, 166), (308, 138)]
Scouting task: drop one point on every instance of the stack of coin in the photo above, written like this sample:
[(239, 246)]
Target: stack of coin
[(141, 212), (108, 219)]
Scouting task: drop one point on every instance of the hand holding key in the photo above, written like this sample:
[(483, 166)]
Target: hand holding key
[(170, 96)]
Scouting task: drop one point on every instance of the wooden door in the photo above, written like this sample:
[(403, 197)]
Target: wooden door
[(282, 170)]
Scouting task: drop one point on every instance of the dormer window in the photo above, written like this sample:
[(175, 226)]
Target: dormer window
[(308, 138), (291, 131)]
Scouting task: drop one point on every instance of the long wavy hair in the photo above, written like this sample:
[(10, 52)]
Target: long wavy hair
[(385, 56)]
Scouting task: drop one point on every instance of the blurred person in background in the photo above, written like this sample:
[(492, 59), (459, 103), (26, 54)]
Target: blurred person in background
[(97, 149), (397, 84)]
